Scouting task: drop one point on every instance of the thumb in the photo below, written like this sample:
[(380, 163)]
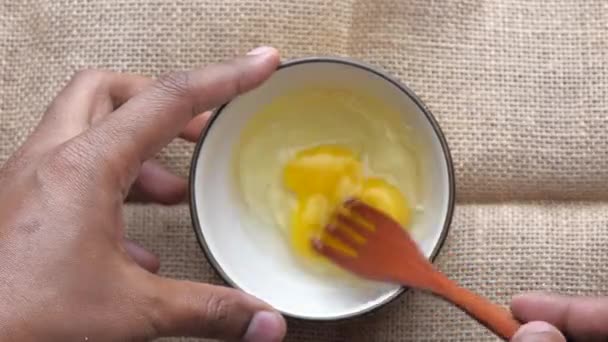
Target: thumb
[(538, 332), (202, 310)]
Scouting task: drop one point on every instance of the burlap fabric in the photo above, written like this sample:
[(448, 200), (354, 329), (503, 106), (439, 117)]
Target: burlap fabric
[(519, 87)]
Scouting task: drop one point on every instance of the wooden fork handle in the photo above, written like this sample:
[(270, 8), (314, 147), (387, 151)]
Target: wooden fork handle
[(496, 318)]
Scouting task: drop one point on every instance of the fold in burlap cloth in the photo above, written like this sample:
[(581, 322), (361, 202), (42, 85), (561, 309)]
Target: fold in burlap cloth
[(519, 87)]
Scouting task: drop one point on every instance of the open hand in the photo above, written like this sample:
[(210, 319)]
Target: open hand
[(66, 272)]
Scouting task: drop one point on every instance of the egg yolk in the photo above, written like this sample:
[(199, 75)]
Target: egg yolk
[(321, 178)]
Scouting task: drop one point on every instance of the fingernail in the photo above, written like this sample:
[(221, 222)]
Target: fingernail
[(265, 326), (538, 332), (261, 50)]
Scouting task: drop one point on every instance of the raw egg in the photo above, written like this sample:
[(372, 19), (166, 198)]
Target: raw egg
[(311, 148), (321, 178)]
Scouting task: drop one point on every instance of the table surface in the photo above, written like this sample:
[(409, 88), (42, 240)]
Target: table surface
[(519, 87)]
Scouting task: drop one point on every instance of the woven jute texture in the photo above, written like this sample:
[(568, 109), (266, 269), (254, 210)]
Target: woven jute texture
[(520, 87)]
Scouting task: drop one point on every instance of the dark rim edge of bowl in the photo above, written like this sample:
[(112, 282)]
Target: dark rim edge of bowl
[(440, 135)]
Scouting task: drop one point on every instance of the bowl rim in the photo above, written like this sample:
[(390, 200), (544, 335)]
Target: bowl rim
[(196, 225)]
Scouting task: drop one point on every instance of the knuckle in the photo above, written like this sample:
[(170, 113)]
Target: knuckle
[(68, 159), (64, 168), (118, 166), (239, 75), (171, 315), (233, 77), (186, 308), (215, 318), (108, 166), (151, 312), (217, 309), (175, 84)]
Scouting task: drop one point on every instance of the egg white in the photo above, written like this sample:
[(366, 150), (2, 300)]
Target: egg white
[(315, 116)]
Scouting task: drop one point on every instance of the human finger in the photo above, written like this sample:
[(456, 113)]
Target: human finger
[(538, 332), (202, 310), (141, 127), (580, 318), (194, 128), (142, 256), (156, 184), (88, 96)]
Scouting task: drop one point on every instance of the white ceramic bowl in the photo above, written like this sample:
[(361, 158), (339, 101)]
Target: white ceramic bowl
[(261, 264)]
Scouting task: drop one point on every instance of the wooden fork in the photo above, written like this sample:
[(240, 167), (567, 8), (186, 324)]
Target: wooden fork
[(384, 251)]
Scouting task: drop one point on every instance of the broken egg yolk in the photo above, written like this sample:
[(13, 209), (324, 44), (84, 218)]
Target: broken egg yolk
[(321, 178)]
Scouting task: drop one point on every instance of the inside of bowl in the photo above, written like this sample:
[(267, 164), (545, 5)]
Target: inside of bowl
[(257, 259)]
